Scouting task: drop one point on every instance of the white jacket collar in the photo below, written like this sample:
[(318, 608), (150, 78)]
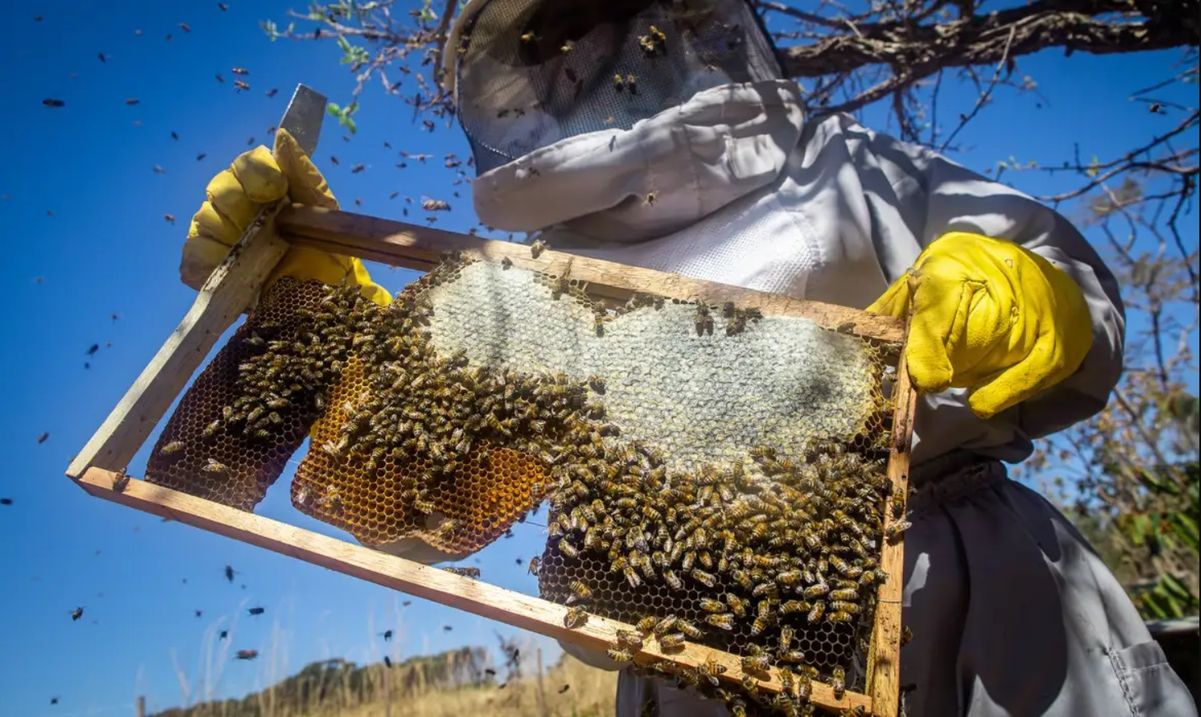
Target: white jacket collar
[(664, 173)]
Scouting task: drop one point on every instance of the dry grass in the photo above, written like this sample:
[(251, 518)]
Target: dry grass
[(439, 686), (590, 692)]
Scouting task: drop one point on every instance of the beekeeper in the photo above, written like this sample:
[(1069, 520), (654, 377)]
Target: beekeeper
[(663, 134)]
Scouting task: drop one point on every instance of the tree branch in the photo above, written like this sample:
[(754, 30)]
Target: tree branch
[(1100, 27)]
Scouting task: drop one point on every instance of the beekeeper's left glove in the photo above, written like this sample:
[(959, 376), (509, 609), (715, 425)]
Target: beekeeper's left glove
[(990, 316)]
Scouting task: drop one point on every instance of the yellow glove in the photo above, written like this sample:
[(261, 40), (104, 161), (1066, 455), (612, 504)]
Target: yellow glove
[(234, 198), (990, 316)]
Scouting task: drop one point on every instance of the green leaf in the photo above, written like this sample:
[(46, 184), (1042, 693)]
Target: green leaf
[(1172, 586), (1185, 528)]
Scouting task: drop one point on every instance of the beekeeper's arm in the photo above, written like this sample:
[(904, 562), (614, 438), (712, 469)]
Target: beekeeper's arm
[(1007, 298), (233, 199)]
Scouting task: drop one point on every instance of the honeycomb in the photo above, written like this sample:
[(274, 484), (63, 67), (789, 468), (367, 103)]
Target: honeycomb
[(492, 489), (231, 467), (705, 465)]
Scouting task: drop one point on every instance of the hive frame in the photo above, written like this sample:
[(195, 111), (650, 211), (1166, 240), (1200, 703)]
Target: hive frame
[(99, 468)]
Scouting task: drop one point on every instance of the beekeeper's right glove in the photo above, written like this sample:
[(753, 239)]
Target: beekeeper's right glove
[(234, 198)]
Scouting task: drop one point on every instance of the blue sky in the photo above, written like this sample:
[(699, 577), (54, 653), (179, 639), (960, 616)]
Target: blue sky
[(91, 260)]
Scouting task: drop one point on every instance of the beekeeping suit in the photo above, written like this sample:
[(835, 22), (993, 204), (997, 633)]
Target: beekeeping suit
[(661, 133)]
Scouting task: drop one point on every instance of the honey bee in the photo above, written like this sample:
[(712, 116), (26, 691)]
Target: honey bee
[(120, 481), (711, 669), (787, 633), (581, 590), (793, 656), (673, 580), (568, 549), (787, 681), (211, 429), (789, 607), (575, 617), (906, 635), (893, 532), (843, 606), (671, 642), (172, 448), (665, 625), (788, 577), (749, 685), (844, 594), (838, 681), (619, 82), (214, 466), (804, 687), (529, 37), (839, 564), (743, 580), (566, 48), (815, 614), (629, 639), (765, 590), (816, 591), (632, 83), (840, 616), (737, 604), (506, 263), (537, 247), (691, 631), (722, 621), (756, 664), (465, 572), (704, 578), (711, 605), (619, 655), (647, 624)]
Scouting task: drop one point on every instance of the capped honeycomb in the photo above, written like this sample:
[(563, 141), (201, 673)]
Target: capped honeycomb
[(709, 469), (196, 452)]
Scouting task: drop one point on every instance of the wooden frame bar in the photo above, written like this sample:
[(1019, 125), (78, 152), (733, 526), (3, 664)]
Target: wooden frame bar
[(417, 247), (100, 467)]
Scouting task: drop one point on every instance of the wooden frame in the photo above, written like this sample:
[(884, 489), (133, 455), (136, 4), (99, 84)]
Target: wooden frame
[(100, 467)]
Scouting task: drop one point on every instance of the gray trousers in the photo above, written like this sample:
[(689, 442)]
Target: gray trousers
[(1012, 613)]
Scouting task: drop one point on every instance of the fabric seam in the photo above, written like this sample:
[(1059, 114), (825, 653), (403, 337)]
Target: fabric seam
[(1119, 671)]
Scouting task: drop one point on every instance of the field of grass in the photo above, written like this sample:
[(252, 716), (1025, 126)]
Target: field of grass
[(454, 683)]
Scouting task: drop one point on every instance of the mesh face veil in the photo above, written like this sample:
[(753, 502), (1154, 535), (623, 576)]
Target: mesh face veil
[(529, 73)]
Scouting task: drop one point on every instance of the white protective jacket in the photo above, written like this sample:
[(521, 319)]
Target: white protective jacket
[(1011, 610)]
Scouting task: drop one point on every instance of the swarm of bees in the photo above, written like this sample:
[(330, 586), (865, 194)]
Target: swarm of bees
[(776, 560), (251, 407), (773, 557)]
